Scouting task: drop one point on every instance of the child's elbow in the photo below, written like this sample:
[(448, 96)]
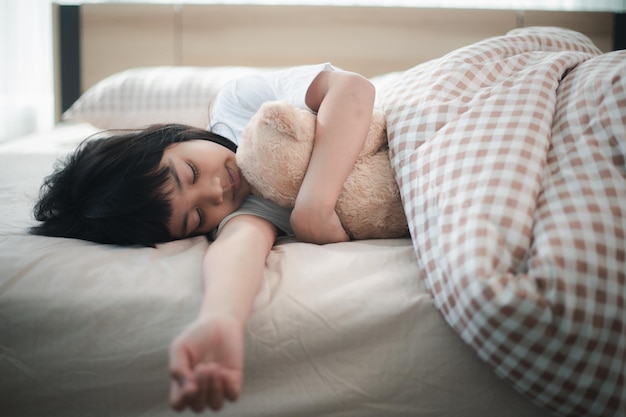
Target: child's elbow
[(363, 90)]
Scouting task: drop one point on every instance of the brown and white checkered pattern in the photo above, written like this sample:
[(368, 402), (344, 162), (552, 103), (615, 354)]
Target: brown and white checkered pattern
[(510, 157)]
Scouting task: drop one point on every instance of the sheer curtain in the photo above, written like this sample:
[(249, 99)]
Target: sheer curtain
[(26, 72)]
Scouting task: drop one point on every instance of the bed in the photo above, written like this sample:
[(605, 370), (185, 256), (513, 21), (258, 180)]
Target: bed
[(507, 300)]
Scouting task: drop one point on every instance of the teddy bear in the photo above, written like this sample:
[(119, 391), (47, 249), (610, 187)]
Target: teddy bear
[(274, 154)]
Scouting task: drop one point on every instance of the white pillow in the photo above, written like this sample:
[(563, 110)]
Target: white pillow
[(139, 97), (142, 96)]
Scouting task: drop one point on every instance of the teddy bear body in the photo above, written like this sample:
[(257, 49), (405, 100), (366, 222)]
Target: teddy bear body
[(274, 155)]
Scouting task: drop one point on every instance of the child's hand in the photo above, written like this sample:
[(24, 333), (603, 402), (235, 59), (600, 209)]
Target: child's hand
[(317, 225), (206, 364)]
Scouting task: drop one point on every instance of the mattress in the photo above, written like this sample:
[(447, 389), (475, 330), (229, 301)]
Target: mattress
[(345, 329)]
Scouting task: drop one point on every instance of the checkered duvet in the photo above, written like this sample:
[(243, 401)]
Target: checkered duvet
[(510, 157)]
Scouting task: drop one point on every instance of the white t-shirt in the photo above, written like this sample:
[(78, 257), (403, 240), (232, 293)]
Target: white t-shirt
[(235, 105), (240, 99)]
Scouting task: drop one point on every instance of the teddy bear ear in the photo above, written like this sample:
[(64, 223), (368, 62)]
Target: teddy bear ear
[(286, 118)]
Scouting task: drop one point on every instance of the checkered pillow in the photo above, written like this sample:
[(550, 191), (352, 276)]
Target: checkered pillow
[(142, 96), (509, 154)]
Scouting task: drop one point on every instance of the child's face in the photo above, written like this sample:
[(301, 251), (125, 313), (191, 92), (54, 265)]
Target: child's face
[(205, 186)]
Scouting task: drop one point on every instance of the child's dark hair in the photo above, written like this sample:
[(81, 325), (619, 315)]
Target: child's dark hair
[(112, 189)]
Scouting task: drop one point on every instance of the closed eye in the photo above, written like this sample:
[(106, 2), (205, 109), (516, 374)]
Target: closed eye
[(194, 172), (200, 218)]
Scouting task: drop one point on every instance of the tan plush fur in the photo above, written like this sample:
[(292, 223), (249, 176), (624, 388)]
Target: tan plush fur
[(274, 154)]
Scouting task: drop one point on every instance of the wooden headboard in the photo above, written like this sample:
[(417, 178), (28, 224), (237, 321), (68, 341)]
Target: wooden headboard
[(96, 40)]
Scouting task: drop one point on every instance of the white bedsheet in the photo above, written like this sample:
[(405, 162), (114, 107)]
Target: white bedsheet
[(337, 330)]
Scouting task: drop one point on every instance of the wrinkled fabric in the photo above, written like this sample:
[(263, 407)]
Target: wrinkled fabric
[(510, 157), (337, 330)]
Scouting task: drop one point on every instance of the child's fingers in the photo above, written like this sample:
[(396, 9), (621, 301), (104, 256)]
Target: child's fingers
[(180, 364), (176, 396), (181, 387), (214, 387), (231, 386), (215, 397), (211, 390), (197, 401), (181, 390)]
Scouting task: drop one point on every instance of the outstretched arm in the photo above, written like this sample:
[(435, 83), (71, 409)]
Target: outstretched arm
[(344, 103), (206, 359)]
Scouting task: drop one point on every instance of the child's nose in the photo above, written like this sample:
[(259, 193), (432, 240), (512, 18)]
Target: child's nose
[(213, 191)]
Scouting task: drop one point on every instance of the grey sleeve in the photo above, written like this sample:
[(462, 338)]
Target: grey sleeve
[(265, 209)]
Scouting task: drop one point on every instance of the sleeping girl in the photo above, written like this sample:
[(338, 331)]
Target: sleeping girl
[(169, 182)]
